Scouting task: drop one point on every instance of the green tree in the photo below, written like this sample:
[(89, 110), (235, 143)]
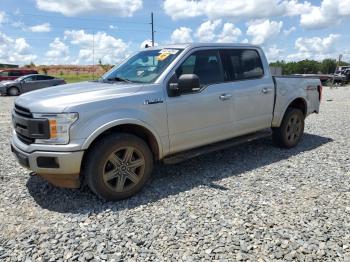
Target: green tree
[(328, 66)]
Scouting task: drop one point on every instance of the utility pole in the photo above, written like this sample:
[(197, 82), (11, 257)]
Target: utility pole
[(336, 68), (152, 25), (93, 55)]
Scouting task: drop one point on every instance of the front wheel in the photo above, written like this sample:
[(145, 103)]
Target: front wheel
[(291, 130), (118, 166), (13, 91)]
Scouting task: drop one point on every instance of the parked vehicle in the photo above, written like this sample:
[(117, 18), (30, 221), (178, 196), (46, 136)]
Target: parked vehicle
[(12, 74), (28, 83), (162, 104)]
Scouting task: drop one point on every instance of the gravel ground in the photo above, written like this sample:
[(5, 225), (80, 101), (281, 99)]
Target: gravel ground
[(253, 202)]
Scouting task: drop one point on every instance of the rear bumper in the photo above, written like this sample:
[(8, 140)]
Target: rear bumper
[(60, 168)]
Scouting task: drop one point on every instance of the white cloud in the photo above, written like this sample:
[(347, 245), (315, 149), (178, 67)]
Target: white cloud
[(262, 30), (58, 52), (3, 17), (315, 48), (15, 50), (181, 35), (294, 8), (106, 47), (229, 33), (287, 32), (147, 42), (73, 8), (206, 31), (113, 27), (45, 27), (316, 44), (273, 53), (328, 13), (236, 9)]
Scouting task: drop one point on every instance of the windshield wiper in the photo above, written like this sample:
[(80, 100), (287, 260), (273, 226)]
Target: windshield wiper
[(119, 79)]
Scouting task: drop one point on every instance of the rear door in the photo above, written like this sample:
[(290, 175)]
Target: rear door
[(252, 89), (202, 116), (45, 81)]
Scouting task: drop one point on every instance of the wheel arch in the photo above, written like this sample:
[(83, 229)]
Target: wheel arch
[(136, 128), (298, 102), (9, 87)]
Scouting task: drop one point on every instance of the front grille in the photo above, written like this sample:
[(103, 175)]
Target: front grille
[(23, 111), (25, 139), (28, 128)]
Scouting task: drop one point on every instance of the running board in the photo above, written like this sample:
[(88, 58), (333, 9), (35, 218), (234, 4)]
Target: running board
[(179, 157)]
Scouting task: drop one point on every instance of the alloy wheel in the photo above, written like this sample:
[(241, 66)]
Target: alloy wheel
[(124, 169)]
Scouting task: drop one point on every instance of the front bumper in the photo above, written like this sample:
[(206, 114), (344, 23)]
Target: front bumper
[(60, 168), (2, 90)]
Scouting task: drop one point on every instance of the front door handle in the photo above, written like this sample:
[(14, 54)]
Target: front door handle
[(265, 90), (224, 97)]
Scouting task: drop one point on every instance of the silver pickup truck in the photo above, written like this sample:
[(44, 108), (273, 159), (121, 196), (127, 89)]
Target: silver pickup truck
[(165, 103)]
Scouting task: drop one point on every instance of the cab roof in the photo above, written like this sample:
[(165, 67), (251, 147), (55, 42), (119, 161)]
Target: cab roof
[(194, 45)]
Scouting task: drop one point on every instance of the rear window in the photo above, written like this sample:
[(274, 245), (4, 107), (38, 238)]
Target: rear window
[(241, 64), (41, 77)]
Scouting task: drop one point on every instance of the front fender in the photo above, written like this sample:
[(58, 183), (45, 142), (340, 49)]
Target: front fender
[(107, 125)]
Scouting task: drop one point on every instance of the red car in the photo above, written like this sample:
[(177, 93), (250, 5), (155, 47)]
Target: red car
[(12, 74)]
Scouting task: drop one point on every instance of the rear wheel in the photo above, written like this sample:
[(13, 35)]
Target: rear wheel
[(291, 130), (118, 166), (13, 91)]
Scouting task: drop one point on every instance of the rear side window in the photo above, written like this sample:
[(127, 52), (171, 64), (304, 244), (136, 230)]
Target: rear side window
[(241, 64), (205, 64), (4, 73), (41, 77)]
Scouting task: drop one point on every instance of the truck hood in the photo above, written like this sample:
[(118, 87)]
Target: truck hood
[(56, 99)]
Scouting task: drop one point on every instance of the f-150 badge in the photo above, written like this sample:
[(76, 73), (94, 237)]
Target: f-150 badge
[(153, 101)]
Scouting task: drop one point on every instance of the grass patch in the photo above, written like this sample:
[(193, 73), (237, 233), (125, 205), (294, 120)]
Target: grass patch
[(74, 78)]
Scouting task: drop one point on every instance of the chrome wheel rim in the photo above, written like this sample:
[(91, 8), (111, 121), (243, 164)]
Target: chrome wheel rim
[(124, 169), (294, 128)]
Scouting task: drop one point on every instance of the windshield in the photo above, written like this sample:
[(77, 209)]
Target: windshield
[(144, 67)]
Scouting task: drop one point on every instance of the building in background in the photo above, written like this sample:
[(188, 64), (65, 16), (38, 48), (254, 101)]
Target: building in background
[(8, 66)]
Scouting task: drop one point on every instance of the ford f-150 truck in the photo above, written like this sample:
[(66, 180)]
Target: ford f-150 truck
[(164, 103)]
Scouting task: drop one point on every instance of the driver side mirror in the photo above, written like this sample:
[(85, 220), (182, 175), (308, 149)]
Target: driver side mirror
[(187, 83)]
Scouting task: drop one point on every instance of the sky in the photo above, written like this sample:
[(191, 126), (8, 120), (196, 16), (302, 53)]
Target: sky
[(86, 31)]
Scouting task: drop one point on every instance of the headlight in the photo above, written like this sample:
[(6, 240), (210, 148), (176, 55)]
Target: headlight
[(59, 127)]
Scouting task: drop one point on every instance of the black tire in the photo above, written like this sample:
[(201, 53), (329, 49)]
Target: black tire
[(13, 91), (291, 130), (110, 165)]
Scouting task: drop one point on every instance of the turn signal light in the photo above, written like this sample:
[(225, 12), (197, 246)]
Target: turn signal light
[(53, 128)]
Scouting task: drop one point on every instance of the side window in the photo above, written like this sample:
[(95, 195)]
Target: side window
[(15, 73), (205, 64), (29, 78), (251, 64), (4, 73), (241, 64), (41, 77)]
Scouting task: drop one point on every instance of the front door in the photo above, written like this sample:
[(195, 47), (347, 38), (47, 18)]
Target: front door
[(202, 116), (29, 83)]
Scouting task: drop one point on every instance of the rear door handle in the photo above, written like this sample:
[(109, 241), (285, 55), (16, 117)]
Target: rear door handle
[(224, 97), (265, 90)]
